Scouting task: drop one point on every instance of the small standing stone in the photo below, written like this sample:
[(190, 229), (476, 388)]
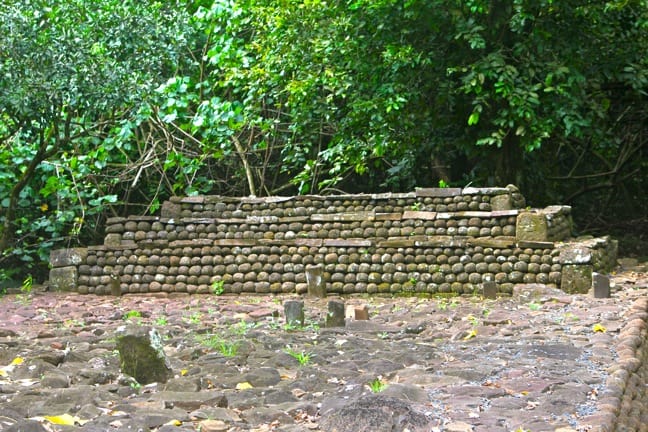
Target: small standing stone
[(489, 289), (294, 312), (358, 313), (335, 315), (315, 281), (601, 285), (115, 285)]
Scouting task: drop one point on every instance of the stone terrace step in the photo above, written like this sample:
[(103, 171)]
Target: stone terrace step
[(448, 241)]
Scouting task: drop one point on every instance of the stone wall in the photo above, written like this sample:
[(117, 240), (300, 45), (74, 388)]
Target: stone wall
[(428, 241)]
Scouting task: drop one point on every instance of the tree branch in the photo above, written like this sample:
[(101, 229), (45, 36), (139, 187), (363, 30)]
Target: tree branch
[(248, 171)]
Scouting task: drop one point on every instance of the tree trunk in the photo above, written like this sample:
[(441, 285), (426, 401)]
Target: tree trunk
[(509, 162), (246, 165)]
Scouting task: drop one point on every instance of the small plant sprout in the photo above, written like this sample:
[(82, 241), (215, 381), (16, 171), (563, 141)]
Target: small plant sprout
[(69, 323), (215, 342), (397, 308), (228, 349), (195, 318), (534, 306), (25, 290), (417, 206), (242, 327), (27, 285), (131, 314), (217, 287), (474, 321), (161, 321), (442, 304), (135, 386), (383, 335), (302, 357), (273, 323), (308, 325), (377, 385)]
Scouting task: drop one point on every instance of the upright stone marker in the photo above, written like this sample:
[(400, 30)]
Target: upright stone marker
[(315, 281), (357, 313), (115, 285), (601, 285), (489, 289), (294, 312), (335, 315)]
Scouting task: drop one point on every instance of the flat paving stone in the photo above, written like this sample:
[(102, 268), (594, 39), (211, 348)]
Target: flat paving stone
[(539, 361)]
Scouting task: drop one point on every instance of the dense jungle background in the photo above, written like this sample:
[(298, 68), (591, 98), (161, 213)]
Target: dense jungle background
[(109, 107)]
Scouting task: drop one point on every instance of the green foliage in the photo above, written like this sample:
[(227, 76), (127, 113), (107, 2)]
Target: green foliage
[(443, 304), (161, 321), (473, 320), (383, 335), (292, 90), (131, 314), (309, 325), (25, 290), (302, 357), (377, 385), (226, 348), (242, 327), (323, 94), (263, 97), (558, 80), (69, 73), (217, 287), (27, 285), (195, 318)]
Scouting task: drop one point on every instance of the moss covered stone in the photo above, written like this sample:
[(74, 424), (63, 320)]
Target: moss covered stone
[(141, 354), (576, 279)]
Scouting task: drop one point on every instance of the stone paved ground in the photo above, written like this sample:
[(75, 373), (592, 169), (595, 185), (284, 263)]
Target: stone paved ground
[(539, 361)]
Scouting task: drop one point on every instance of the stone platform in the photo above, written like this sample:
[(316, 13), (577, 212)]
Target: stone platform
[(430, 241)]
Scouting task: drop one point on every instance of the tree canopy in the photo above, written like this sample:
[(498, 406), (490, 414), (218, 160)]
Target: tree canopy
[(109, 107), (69, 72)]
